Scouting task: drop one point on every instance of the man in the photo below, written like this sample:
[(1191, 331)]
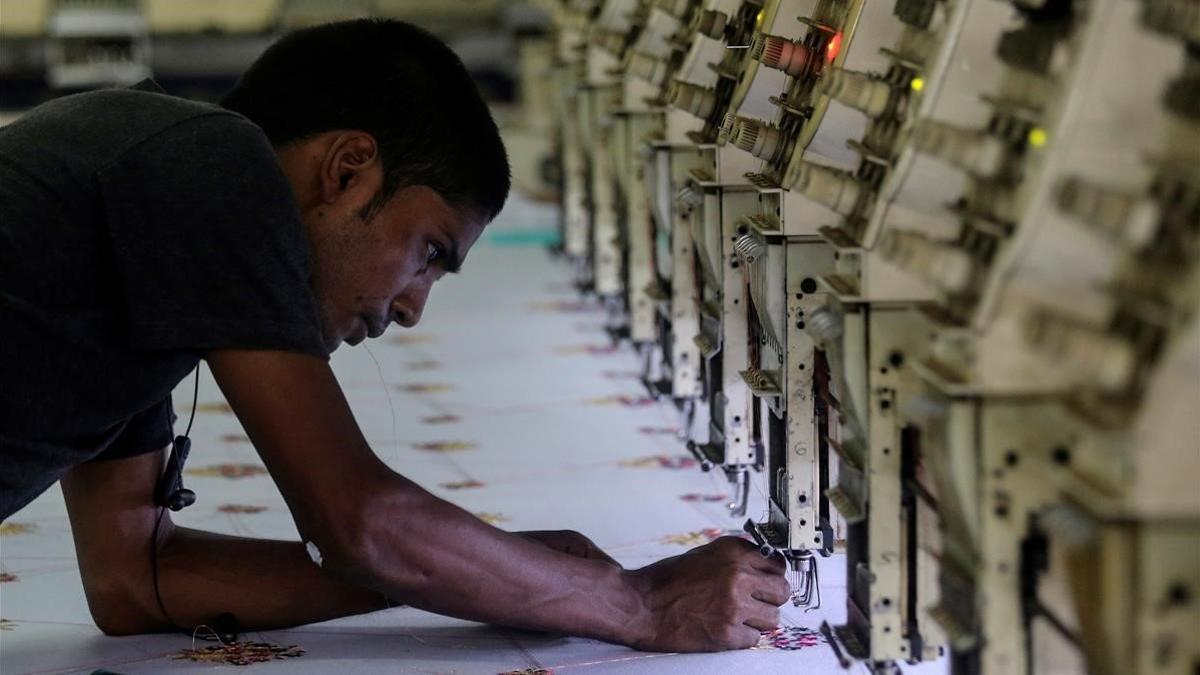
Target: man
[(350, 168)]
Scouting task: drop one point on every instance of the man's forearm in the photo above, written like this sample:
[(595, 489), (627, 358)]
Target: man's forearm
[(436, 556), (377, 529), (264, 584), (442, 559)]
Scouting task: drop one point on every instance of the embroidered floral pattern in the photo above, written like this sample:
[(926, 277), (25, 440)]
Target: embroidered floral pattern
[(9, 529), (590, 350), (660, 462), (697, 497), (694, 538), (589, 327), (463, 485), (240, 508), (492, 518), (658, 431), (626, 401), (621, 375), (409, 339), (445, 446), (562, 307), (790, 638), (240, 653), (426, 388), (228, 470), (220, 407)]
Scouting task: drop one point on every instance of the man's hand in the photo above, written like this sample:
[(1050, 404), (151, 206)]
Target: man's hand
[(571, 543), (715, 597)]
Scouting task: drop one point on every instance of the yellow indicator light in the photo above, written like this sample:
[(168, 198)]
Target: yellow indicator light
[(758, 20), (1037, 137), (917, 84)]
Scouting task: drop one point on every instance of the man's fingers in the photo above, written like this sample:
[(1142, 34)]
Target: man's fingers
[(760, 616), (746, 553), (745, 636), (771, 585), (772, 592)]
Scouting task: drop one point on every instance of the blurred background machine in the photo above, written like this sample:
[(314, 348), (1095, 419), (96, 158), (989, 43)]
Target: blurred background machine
[(200, 48), (197, 50), (930, 269)]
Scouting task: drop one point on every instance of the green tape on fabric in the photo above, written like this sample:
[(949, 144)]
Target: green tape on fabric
[(524, 238)]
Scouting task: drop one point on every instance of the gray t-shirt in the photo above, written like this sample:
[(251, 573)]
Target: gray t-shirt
[(137, 231)]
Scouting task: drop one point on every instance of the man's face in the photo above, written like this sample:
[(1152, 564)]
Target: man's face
[(370, 273)]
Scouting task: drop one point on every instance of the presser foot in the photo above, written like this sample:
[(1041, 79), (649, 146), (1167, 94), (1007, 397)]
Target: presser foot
[(707, 454), (740, 477)]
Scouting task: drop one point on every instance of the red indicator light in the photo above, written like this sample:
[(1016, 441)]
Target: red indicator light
[(833, 48)]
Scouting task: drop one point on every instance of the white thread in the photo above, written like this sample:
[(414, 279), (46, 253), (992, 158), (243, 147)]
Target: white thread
[(391, 406)]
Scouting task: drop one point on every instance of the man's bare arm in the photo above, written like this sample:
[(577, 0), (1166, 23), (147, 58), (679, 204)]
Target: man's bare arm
[(376, 528), (265, 584)]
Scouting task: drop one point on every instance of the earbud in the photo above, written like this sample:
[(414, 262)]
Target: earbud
[(181, 499), (170, 491)]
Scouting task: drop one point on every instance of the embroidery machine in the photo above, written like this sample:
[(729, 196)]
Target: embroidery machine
[(930, 267)]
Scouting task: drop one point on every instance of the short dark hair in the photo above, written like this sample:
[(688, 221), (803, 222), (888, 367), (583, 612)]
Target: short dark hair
[(394, 81)]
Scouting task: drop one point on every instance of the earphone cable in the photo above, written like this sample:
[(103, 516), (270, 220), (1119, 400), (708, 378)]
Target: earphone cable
[(162, 511), (195, 396)]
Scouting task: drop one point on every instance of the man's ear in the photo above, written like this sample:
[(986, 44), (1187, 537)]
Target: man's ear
[(351, 166)]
